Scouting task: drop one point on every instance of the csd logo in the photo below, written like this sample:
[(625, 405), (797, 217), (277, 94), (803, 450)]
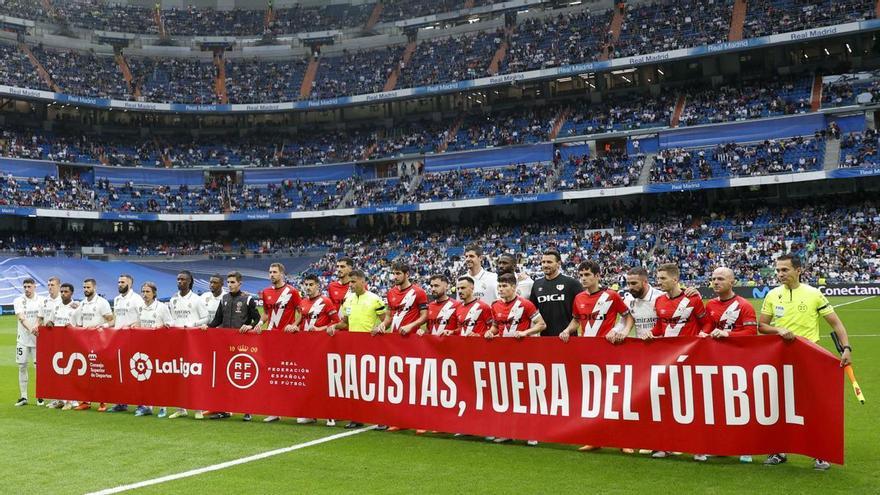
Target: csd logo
[(73, 358)]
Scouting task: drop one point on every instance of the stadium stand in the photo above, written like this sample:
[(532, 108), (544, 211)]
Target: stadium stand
[(779, 16), (858, 149)]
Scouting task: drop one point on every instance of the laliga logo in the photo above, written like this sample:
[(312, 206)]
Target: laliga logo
[(73, 358), (242, 371), (141, 367)]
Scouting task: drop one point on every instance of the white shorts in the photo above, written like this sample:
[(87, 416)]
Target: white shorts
[(25, 353)]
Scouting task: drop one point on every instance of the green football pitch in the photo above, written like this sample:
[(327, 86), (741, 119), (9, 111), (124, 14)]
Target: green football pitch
[(52, 451)]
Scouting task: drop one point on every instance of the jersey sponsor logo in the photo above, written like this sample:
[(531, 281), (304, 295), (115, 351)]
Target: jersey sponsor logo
[(680, 316), (760, 293), (278, 307), (471, 318), (600, 310), (513, 318), (314, 312), (408, 300), (76, 357), (443, 317), (551, 297), (730, 315)]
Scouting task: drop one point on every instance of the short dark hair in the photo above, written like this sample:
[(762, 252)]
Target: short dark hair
[(670, 268), (345, 259), (312, 277), (357, 274), (400, 266), (553, 252), (129, 277), (217, 276), (509, 256), (190, 275), (440, 276), (234, 274), (28, 281), (638, 272), (152, 287), (507, 278), (90, 280), (467, 279), (67, 285), (279, 266), (793, 258), (591, 266), (475, 248)]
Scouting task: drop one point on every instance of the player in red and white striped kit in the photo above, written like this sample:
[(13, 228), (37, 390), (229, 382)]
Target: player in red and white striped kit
[(728, 315), (442, 310)]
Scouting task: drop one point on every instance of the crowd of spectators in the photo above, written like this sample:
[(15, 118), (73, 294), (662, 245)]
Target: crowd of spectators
[(49, 192), (859, 149), (84, 73), (614, 169), (479, 183), (563, 39), (353, 73), (851, 90), (672, 24), (749, 100), (175, 80), (618, 113), (16, 69), (772, 156), (258, 81), (456, 58), (766, 17)]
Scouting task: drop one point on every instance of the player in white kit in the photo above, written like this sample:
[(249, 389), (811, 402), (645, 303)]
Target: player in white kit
[(49, 304), (154, 314), (126, 309), (93, 312), (61, 316), (28, 309), (187, 311)]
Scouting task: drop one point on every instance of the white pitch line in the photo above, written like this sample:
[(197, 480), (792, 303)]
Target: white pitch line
[(853, 302), (228, 464)]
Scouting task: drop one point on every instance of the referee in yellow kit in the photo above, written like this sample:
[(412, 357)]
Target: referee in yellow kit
[(360, 312), (793, 310)]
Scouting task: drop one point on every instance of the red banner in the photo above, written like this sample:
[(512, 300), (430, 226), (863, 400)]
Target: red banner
[(746, 395)]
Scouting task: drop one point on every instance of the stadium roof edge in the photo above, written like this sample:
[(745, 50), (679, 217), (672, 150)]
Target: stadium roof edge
[(451, 87)]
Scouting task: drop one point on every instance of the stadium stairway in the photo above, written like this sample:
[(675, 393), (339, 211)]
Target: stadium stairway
[(126, 74), (559, 122), (41, 71), (614, 27), (391, 83), (412, 186), (832, 154), (160, 23), (469, 4), (645, 174), (453, 131), (308, 80), (676, 113), (374, 16), (500, 54), (737, 20), (220, 80), (877, 8), (816, 93)]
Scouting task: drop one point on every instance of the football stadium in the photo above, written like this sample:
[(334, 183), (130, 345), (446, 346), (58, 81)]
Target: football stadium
[(440, 246)]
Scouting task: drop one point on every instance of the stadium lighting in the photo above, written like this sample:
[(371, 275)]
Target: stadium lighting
[(827, 52), (661, 72), (848, 49), (577, 2), (627, 79)]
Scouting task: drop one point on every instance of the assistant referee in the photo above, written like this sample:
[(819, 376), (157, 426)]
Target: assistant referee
[(793, 310)]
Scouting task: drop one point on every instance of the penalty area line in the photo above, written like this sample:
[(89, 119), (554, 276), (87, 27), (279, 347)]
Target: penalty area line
[(853, 302), (228, 464)]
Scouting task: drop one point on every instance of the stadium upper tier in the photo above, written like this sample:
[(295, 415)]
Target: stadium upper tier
[(628, 111), (555, 39)]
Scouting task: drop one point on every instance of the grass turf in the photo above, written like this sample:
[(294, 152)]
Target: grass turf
[(50, 451)]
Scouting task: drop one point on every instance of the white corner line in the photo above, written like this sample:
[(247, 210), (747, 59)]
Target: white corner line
[(228, 464)]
